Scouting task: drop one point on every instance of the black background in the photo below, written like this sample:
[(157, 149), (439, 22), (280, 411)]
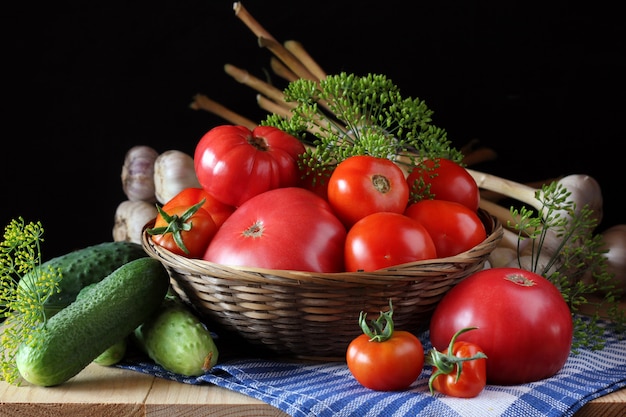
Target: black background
[(542, 84)]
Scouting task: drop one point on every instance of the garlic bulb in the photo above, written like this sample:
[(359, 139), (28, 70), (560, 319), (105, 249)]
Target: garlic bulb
[(615, 243), (173, 171), (130, 219), (138, 174)]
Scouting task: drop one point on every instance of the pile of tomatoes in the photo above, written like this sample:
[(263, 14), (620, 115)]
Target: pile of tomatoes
[(260, 210), (255, 208)]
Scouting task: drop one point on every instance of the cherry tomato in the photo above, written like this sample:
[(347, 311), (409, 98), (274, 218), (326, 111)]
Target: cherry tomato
[(454, 227), (190, 196), (184, 230), (460, 370), (384, 359), (447, 180), (384, 239), (285, 228), (362, 185), (524, 325), (234, 163)]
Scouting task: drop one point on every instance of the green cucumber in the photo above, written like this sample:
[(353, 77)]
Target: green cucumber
[(83, 267), (176, 339), (113, 354), (79, 333)]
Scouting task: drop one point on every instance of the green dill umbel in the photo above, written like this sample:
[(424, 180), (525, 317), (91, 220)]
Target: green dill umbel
[(577, 266), (345, 115), (21, 308)]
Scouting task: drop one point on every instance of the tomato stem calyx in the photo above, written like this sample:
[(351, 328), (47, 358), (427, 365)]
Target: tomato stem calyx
[(176, 224), (378, 330), (447, 362)]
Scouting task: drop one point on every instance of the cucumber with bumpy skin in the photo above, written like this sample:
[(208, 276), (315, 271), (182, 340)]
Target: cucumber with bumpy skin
[(176, 339), (70, 340), (82, 267)]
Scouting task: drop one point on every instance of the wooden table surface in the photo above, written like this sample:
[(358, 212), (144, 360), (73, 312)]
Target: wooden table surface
[(105, 391)]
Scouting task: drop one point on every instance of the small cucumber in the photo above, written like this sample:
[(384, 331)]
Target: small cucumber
[(79, 333), (113, 354), (176, 339), (83, 267)]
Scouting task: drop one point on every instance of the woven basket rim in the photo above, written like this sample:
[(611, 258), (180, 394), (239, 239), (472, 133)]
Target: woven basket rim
[(407, 271)]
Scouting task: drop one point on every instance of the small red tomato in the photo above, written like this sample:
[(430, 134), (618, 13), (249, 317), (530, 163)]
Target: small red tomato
[(362, 185), (192, 195), (448, 181), (384, 239), (454, 227), (384, 359), (460, 370), (184, 230)]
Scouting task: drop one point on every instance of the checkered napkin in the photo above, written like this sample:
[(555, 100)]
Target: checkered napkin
[(328, 389)]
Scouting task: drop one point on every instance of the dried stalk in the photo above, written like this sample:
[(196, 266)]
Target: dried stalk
[(281, 70), (479, 155), (287, 58), (252, 24), (259, 85), (272, 107), (202, 102), (299, 52)]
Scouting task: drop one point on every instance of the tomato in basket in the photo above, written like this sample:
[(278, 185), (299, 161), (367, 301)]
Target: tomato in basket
[(384, 239), (234, 163), (363, 184), (286, 228), (454, 227), (184, 230), (193, 195), (447, 181)]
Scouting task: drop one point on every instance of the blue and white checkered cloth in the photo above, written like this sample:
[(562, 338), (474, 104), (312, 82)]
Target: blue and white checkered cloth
[(329, 390)]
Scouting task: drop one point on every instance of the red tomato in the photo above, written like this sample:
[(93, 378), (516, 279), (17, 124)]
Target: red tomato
[(184, 230), (190, 196), (389, 360), (524, 325), (362, 185), (448, 181), (460, 370), (233, 163), (316, 182), (385, 239), (454, 227), (286, 228)]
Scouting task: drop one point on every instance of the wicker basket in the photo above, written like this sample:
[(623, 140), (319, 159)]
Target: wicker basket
[(315, 315)]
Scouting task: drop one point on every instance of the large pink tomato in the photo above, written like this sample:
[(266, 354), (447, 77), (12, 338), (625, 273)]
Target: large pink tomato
[(524, 325), (234, 163), (285, 228)]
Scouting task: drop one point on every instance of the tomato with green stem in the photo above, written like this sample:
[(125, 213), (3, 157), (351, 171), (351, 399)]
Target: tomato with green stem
[(193, 195), (184, 230), (460, 370), (382, 358)]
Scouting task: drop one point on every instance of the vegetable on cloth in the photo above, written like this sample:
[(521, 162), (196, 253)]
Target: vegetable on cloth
[(384, 358), (328, 389), (460, 370)]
